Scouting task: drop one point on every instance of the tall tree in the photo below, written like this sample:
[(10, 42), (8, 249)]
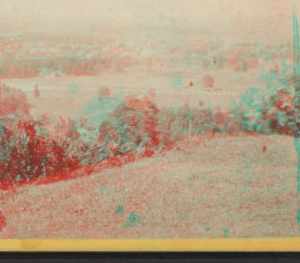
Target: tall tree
[(297, 109)]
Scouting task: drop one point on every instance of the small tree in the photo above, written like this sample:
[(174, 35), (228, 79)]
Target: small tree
[(103, 92), (36, 91), (208, 81)]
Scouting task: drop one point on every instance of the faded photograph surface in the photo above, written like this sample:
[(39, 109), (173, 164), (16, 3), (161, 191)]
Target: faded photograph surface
[(149, 119)]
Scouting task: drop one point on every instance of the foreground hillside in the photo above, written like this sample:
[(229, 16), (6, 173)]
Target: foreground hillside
[(222, 186)]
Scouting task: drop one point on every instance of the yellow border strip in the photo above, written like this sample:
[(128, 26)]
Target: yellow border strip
[(143, 245)]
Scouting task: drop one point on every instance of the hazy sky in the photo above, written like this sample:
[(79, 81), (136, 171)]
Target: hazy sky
[(240, 17)]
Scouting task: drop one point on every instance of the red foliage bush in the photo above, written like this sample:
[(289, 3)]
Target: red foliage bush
[(28, 151), (2, 221)]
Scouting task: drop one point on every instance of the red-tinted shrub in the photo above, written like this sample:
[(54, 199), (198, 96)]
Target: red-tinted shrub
[(208, 81), (28, 151), (13, 101)]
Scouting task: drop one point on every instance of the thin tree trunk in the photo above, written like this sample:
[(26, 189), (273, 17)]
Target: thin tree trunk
[(190, 128), (297, 110)]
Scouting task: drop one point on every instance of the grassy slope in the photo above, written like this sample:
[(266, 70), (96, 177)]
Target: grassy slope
[(227, 183)]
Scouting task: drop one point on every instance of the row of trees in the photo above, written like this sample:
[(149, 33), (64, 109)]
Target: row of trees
[(35, 147)]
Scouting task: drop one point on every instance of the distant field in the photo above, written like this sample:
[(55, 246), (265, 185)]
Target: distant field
[(55, 100), (223, 186)]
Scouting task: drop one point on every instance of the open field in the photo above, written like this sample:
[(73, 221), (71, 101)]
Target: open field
[(215, 187), (56, 100)]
